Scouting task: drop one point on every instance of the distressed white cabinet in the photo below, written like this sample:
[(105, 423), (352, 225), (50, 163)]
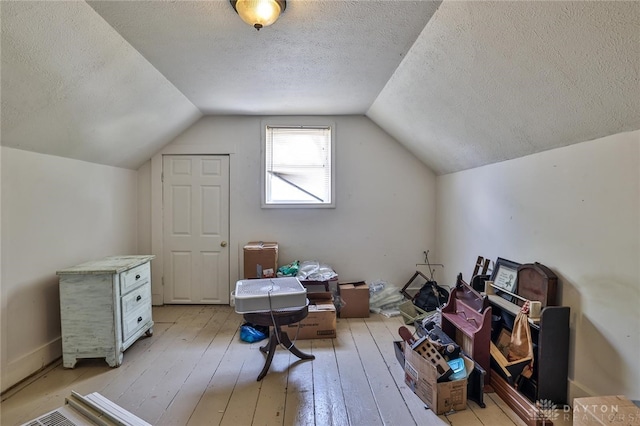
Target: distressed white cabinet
[(105, 306)]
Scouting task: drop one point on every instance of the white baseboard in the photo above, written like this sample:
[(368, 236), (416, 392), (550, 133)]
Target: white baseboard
[(578, 390), (20, 369), (156, 300)]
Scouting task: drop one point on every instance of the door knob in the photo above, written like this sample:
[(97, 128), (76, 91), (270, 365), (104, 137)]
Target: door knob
[(223, 244)]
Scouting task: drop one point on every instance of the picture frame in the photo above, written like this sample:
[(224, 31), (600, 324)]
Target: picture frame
[(413, 286), (505, 277)]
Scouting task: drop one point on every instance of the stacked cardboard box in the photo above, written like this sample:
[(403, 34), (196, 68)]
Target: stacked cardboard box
[(260, 259), (321, 321)]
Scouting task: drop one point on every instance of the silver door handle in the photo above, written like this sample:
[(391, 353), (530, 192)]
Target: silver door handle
[(223, 244)]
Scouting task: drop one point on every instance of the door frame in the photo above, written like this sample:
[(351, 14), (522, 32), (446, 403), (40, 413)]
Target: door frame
[(157, 244)]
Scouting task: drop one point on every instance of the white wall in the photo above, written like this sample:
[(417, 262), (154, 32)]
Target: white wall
[(144, 208), (385, 214), (56, 212), (3, 322), (577, 211)]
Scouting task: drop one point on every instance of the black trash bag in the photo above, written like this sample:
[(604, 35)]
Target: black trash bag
[(431, 297)]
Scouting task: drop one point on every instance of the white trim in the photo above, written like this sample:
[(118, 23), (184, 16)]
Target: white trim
[(17, 370), (297, 121), (579, 390), (157, 246)]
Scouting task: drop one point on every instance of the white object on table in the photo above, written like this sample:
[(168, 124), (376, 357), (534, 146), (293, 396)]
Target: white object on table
[(267, 294)]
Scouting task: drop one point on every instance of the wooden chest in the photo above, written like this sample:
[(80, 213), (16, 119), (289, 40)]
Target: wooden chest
[(537, 282)]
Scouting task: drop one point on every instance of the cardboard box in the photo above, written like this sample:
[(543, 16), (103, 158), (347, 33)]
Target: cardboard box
[(605, 410), (259, 258), (321, 321), (355, 300), (422, 377)]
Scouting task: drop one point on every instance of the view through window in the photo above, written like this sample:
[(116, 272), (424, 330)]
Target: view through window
[(298, 166)]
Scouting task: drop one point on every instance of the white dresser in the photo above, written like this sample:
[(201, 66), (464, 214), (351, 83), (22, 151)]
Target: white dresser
[(105, 306)]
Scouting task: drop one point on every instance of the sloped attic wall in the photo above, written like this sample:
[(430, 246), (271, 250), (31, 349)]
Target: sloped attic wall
[(576, 210), (73, 87), (488, 81)]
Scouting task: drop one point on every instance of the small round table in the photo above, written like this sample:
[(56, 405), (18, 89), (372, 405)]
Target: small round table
[(277, 319)]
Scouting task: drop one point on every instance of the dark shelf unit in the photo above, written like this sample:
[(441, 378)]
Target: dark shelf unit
[(550, 337)]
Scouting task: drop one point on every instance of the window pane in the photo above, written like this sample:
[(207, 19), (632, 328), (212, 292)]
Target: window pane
[(298, 165)]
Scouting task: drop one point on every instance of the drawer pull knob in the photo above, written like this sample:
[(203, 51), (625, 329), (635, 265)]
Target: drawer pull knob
[(138, 277), (138, 298), (139, 319)]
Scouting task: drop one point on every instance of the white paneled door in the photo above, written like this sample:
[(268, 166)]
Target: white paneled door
[(196, 229)]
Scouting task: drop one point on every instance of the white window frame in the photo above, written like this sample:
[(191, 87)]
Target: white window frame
[(296, 122)]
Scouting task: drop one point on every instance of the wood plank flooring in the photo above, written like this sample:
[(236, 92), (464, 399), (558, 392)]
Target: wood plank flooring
[(195, 370)]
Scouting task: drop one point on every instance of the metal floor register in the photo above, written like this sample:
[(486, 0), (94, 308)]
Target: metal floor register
[(92, 409)]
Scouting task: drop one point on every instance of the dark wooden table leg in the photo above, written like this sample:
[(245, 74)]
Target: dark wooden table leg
[(268, 349), (277, 319), (284, 338)]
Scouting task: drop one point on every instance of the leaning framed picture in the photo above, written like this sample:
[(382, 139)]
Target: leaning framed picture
[(505, 277)]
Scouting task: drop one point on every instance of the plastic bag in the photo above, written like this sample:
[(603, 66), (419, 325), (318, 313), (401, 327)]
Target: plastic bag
[(389, 313), (289, 270), (376, 286), (389, 294), (312, 270), (253, 333), (385, 298)]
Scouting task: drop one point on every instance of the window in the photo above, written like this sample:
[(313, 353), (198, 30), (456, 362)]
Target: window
[(298, 166)]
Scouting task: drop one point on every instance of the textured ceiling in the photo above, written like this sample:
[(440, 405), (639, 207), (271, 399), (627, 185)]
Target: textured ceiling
[(487, 82), (72, 87), (460, 84), (321, 57)]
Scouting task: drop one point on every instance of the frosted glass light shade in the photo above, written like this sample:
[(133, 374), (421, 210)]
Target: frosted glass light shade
[(259, 13)]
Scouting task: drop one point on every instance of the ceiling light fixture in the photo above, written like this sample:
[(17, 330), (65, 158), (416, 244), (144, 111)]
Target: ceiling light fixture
[(259, 13)]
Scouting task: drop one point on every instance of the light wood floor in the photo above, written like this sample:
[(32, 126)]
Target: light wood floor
[(194, 370)]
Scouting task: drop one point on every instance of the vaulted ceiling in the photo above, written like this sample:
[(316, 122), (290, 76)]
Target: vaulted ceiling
[(459, 83)]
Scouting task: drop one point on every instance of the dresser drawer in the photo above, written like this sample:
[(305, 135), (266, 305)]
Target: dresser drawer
[(134, 277), (134, 321), (132, 301)]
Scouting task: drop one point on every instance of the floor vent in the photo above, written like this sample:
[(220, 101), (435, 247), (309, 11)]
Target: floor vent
[(54, 418), (88, 410)]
